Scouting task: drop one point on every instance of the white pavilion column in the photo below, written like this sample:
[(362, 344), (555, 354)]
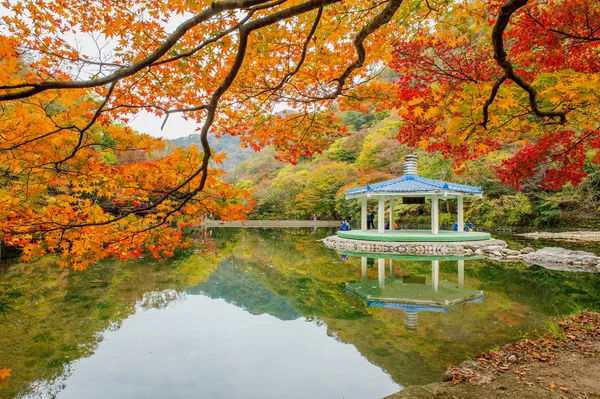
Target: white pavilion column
[(381, 216), (381, 272), (392, 200), (460, 219), (461, 274), (391, 268), (363, 267), (435, 215), (363, 214), (435, 274)]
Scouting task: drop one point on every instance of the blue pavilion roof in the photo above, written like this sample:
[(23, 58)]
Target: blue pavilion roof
[(414, 184)]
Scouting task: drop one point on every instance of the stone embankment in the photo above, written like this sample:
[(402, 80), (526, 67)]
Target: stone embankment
[(573, 236), (550, 257), (553, 258), (564, 259), (467, 248)]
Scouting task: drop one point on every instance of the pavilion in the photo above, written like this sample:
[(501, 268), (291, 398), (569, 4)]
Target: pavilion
[(412, 189), (412, 294)]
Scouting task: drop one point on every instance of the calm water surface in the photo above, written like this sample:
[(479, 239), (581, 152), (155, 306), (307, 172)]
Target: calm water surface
[(265, 314)]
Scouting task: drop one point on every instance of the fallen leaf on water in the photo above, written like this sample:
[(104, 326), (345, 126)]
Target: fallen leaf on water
[(5, 372)]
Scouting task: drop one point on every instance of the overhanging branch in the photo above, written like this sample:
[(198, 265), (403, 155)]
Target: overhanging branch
[(506, 11)]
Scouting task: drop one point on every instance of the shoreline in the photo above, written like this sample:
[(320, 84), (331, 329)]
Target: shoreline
[(565, 364), (572, 236), (272, 223)]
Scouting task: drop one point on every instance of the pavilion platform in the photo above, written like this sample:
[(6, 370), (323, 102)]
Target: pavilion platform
[(414, 236)]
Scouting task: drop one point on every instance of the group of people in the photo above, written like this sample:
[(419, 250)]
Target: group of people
[(345, 226), (467, 227), (371, 221)]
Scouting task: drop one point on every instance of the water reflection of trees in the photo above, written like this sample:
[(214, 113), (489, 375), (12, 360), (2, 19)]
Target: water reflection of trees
[(160, 299), (56, 316), (312, 279)]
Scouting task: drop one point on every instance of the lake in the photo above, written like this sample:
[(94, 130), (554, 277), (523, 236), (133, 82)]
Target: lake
[(266, 313)]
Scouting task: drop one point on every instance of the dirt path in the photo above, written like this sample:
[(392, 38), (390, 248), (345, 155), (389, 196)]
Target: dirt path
[(563, 367)]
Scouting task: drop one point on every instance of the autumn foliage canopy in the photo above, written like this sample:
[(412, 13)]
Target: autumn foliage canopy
[(473, 77), (541, 100)]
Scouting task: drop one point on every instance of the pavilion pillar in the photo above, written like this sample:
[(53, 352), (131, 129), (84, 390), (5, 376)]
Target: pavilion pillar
[(381, 216), (363, 214), (435, 215), (363, 267), (460, 219), (392, 200), (435, 274), (381, 272), (461, 274)]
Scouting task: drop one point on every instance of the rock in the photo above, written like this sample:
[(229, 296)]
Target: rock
[(527, 250), (507, 251), (492, 248), (563, 259), (479, 251), (513, 257), (512, 358), (468, 371), (497, 253)]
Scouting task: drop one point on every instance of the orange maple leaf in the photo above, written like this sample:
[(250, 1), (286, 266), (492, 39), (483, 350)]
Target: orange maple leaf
[(5, 372)]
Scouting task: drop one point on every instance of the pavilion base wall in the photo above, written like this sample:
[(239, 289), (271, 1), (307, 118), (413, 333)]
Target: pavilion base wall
[(465, 248)]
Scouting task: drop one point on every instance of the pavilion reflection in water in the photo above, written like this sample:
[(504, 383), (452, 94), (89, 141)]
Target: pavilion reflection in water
[(412, 294)]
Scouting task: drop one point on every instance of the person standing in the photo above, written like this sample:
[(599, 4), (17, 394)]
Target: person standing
[(370, 220)]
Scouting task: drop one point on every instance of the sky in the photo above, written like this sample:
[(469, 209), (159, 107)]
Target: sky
[(176, 126)]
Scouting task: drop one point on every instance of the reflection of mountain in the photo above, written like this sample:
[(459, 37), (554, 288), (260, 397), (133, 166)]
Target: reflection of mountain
[(245, 291), (59, 316)]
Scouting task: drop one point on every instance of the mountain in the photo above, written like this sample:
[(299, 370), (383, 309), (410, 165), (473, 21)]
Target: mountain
[(227, 144)]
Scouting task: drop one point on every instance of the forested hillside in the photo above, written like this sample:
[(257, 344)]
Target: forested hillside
[(229, 145), (372, 153)]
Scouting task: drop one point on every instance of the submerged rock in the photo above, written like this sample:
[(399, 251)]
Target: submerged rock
[(563, 259)]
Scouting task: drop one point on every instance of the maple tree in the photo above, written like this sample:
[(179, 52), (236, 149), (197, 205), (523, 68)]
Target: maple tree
[(514, 74), (64, 190), (226, 64), (231, 66)]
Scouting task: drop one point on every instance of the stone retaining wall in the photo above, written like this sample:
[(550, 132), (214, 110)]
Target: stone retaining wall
[(550, 257), (468, 248)]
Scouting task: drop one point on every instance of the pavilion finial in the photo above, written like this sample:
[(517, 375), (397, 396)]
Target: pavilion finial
[(410, 165)]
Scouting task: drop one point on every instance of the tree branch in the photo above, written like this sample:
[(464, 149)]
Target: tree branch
[(506, 11), (490, 100), (214, 9)]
